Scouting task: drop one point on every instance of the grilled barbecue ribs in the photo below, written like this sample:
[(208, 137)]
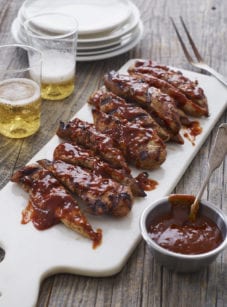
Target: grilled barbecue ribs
[(50, 203), (110, 103), (74, 154), (159, 105), (140, 146), (182, 102), (196, 103), (101, 195), (86, 134)]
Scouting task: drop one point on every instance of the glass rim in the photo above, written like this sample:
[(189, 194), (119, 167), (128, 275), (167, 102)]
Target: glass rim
[(25, 48), (50, 37)]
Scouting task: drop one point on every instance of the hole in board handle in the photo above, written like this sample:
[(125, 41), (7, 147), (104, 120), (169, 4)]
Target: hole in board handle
[(2, 256)]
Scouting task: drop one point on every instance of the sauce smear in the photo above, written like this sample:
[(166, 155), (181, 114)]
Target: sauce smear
[(176, 233), (146, 183), (192, 130)]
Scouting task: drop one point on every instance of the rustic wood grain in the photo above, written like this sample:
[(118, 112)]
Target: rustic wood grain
[(141, 282)]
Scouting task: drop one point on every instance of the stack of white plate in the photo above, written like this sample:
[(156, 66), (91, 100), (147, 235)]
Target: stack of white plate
[(106, 27)]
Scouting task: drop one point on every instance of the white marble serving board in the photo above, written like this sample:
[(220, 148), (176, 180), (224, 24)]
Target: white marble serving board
[(31, 255)]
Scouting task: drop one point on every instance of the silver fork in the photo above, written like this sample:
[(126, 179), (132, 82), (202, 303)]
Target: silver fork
[(200, 64)]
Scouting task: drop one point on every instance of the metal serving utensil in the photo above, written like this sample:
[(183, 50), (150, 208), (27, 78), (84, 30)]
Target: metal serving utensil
[(200, 63), (218, 152)]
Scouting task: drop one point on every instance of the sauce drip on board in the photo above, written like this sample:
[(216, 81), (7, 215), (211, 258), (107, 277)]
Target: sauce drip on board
[(192, 130), (146, 183), (174, 231)]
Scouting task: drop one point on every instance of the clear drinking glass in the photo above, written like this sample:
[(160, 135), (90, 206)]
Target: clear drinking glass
[(55, 35), (20, 101)]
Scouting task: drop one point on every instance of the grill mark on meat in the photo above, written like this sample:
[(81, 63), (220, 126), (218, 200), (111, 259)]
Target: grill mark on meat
[(182, 102), (112, 104), (101, 195), (150, 98), (140, 146), (86, 134), (176, 79), (74, 154)]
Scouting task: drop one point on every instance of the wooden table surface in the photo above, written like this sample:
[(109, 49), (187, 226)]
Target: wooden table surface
[(141, 282)]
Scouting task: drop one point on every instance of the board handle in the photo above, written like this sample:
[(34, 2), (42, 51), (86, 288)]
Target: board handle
[(19, 283), (20, 273)]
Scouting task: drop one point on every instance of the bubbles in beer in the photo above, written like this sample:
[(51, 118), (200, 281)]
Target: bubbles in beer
[(19, 107), (58, 67), (58, 71), (18, 91)]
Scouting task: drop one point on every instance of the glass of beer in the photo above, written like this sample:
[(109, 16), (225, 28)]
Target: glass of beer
[(20, 100), (55, 35)]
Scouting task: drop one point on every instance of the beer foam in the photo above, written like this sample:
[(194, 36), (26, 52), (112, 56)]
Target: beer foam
[(19, 91), (58, 67)]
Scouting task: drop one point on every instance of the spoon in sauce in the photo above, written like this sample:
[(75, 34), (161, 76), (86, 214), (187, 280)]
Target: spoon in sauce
[(216, 157)]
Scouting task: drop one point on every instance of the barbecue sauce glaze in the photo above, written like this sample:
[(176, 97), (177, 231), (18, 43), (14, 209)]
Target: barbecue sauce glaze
[(192, 130), (50, 203), (145, 182), (174, 231)]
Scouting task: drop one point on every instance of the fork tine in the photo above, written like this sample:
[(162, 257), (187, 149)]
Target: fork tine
[(181, 42), (197, 54)]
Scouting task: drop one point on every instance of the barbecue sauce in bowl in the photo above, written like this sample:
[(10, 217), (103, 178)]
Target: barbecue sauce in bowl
[(175, 232)]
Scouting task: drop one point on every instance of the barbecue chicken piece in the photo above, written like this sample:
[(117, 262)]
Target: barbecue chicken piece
[(110, 103), (182, 102), (159, 105), (76, 155), (86, 134), (50, 203), (100, 195), (189, 88), (140, 146)]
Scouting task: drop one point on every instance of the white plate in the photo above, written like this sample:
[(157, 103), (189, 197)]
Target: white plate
[(99, 45), (117, 51), (32, 255), (124, 41), (125, 28), (105, 38), (19, 38), (94, 16), (15, 29)]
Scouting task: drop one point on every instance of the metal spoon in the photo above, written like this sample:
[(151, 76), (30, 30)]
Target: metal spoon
[(218, 152)]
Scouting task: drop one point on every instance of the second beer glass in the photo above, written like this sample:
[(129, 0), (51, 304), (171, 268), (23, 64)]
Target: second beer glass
[(20, 102), (55, 35)]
